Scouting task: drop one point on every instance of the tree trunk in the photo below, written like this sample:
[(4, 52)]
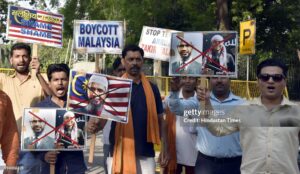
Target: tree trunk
[(223, 14)]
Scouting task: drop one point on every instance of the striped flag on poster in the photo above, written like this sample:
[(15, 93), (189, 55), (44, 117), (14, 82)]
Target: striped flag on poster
[(118, 98), (34, 26), (116, 103)]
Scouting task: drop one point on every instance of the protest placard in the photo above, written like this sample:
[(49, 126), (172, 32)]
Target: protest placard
[(156, 43), (204, 54), (96, 36), (46, 129), (99, 95), (34, 26)]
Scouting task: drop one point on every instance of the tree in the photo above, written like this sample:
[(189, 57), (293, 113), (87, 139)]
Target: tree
[(222, 13)]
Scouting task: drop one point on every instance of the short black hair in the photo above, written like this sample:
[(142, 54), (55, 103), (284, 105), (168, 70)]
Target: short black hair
[(19, 46), (60, 67), (272, 62), (132, 47), (116, 63)]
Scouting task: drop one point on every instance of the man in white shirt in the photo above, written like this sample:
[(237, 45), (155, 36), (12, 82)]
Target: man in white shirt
[(182, 99), (269, 125)]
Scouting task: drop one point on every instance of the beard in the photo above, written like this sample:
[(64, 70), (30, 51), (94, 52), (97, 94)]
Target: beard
[(135, 70), (37, 134), (21, 70), (93, 106)]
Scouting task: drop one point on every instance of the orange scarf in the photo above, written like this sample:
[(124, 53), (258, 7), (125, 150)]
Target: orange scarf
[(171, 121), (124, 161)]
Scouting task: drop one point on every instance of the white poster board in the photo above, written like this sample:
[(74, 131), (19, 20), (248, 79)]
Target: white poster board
[(97, 36), (156, 43)]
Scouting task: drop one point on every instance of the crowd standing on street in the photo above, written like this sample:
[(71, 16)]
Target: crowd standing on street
[(264, 138)]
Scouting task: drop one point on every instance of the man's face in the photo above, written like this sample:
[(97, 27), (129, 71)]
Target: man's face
[(133, 62), (271, 88), (59, 84), (20, 61), (216, 45), (119, 71), (37, 126), (96, 94), (184, 50), (220, 85), (188, 83), (70, 123)]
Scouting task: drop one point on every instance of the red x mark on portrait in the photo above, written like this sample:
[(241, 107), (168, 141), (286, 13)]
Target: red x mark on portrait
[(203, 53), (54, 129)]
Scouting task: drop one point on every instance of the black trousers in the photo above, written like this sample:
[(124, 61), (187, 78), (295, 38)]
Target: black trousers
[(211, 165)]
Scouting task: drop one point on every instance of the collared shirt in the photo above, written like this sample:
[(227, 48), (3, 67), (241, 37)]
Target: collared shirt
[(8, 131), (23, 94), (265, 149), (185, 141), (220, 147)]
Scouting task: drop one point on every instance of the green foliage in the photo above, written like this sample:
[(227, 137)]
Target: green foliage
[(49, 55), (278, 21), (3, 18), (277, 25)]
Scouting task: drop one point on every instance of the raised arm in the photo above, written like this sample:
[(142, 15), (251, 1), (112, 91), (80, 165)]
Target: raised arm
[(216, 128), (35, 64), (176, 105)]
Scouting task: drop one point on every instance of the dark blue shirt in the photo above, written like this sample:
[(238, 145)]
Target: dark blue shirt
[(139, 117), (73, 160)]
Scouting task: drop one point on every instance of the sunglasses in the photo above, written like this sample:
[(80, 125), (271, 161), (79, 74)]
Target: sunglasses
[(275, 77)]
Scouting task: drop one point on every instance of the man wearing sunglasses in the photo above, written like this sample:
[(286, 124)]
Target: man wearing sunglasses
[(269, 125)]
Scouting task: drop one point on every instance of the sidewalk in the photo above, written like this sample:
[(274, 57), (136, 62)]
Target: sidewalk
[(97, 166)]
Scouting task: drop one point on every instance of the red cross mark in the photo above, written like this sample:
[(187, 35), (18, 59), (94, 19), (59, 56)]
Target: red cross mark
[(203, 53), (54, 129)]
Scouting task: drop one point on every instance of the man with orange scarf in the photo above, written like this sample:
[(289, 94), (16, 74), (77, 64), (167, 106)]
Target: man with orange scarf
[(132, 144), (181, 143)]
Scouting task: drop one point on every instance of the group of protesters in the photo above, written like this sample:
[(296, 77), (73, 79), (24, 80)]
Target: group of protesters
[(263, 140)]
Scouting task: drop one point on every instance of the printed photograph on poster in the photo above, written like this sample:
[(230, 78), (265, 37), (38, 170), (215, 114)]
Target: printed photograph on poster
[(184, 59), (99, 95), (221, 53), (45, 129), (71, 132)]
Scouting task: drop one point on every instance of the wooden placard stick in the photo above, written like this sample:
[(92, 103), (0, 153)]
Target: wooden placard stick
[(34, 54), (52, 168), (92, 149), (33, 72), (203, 86), (93, 136)]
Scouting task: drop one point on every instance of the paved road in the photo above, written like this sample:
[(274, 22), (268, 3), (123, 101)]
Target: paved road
[(97, 166)]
